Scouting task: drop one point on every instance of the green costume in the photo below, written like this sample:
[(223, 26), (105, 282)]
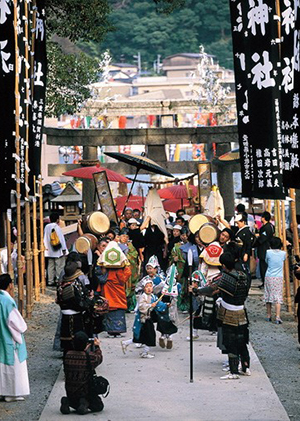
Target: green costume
[(180, 263), (132, 256)]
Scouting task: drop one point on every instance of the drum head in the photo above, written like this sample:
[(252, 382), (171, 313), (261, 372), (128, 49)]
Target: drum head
[(98, 223), (208, 233), (82, 244), (196, 222)]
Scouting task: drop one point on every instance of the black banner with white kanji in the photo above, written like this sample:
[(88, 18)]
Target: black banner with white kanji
[(255, 33), (7, 108), (39, 90), (22, 46), (290, 90)]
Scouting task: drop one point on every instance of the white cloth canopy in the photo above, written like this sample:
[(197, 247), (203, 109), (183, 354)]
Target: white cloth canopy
[(215, 205), (155, 210)]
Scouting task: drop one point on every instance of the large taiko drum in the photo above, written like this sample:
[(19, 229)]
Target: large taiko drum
[(96, 223), (208, 233), (196, 222), (85, 243)]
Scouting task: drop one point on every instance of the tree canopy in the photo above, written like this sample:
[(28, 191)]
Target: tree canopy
[(69, 76), (148, 27)]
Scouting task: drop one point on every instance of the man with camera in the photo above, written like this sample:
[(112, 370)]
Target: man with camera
[(79, 365)]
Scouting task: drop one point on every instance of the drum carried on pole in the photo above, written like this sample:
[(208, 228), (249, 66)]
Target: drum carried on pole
[(96, 223), (85, 243), (209, 232), (196, 222)]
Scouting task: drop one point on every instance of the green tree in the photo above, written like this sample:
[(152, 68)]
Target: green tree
[(86, 21), (140, 27), (78, 19), (69, 76)]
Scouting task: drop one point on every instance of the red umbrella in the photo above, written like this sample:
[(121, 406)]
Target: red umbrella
[(172, 205), (135, 202), (87, 173), (178, 191)]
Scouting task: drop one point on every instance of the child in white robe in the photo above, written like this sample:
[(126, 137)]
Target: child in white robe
[(143, 328)]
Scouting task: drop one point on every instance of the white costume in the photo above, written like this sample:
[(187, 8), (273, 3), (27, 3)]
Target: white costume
[(13, 378)]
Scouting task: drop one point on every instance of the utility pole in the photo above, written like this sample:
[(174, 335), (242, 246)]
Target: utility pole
[(139, 62), (158, 64)]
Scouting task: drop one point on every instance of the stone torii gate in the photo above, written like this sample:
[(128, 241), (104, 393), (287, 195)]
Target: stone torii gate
[(154, 140)]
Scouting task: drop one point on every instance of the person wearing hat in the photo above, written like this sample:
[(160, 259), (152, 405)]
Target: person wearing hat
[(143, 327), (117, 268), (125, 217), (81, 261), (153, 273), (77, 376), (74, 299)]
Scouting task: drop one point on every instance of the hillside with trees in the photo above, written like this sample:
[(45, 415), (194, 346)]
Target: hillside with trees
[(152, 28), (80, 31)]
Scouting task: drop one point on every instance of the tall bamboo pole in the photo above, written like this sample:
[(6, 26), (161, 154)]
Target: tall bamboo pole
[(294, 228), (35, 246), (18, 187), (28, 253), (286, 262), (295, 239), (268, 205), (9, 250), (42, 247), (278, 231)]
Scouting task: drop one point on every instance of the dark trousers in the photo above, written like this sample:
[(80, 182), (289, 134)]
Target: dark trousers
[(263, 269), (94, 403), (235, 340)]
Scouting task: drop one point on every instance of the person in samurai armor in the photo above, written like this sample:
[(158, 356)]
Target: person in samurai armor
[(233, 287)]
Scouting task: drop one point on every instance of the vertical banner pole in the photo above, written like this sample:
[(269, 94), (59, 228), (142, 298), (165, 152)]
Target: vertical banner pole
[(277, 219), (18, 187), (35, 245), (295, 239), (42, 247), (286, 262), (28, 254)]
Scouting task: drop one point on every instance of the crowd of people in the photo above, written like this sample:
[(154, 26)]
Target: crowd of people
[(134, 269)]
